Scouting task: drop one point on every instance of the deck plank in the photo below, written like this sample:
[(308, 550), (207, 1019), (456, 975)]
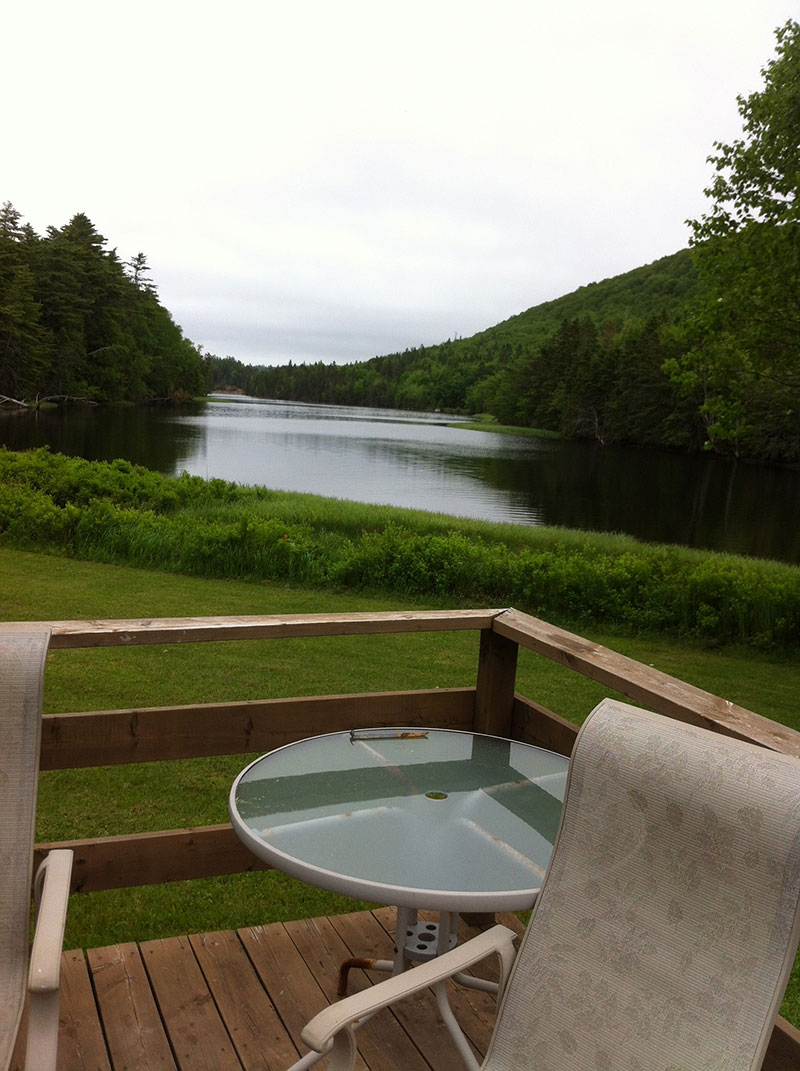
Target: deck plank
[(131, 1020), (196, 1031), (382, 1042), (293, 987), (253, 1023), (81, 1044), (238, 1002)]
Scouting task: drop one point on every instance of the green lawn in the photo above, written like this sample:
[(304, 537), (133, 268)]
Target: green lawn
[(135, 798)]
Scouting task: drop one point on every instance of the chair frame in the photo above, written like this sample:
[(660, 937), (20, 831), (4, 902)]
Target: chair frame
[(334, 1028), (37, 975)]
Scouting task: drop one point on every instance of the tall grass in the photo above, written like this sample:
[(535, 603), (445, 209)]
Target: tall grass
[(118, 512)]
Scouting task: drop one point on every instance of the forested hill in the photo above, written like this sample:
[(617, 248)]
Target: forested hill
[(76, 322), (658, 289), (525, 370)]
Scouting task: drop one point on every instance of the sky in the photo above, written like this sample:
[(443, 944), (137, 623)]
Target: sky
[(339, 179)]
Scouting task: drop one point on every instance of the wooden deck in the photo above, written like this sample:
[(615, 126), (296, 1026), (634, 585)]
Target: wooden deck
[(240, 1000), (233, 1000)]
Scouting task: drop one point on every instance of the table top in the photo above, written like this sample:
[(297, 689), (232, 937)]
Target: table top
[(435, 818)]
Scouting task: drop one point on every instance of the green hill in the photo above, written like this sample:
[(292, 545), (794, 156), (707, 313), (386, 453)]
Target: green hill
[(475, 374), (617, 361), (662, 287)]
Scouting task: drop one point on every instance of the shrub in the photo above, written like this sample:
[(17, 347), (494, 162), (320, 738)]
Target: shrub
[(121, 512)]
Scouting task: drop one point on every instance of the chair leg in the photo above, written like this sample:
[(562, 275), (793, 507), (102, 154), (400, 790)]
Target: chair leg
[(42, 1046)]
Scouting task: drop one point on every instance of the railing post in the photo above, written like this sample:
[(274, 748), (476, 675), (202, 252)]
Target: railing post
[(494, 700), (494, 693)]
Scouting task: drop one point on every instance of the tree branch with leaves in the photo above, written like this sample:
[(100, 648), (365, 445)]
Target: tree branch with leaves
[(742, 335)]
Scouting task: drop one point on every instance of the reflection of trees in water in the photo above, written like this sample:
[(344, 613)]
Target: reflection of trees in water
[(142, 435), (658, 496), (661, 497)]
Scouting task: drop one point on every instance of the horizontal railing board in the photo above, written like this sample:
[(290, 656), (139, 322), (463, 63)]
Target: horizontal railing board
[(154, 858), (152, 734), (644, 684), (131, 632), (535, 724)]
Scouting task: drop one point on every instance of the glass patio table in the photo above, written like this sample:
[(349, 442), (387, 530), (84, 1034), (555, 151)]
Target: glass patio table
[(417, 818)]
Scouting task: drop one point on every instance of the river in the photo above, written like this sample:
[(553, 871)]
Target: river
[(415, 460)]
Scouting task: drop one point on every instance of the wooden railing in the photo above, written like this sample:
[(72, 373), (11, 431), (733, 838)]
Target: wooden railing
[(106, 738), (493, 706)]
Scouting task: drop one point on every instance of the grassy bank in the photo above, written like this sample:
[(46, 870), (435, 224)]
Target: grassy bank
[(96, 802), (488, 422), (118, 512)]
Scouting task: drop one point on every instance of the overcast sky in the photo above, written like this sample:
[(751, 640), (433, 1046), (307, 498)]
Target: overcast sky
[(336, 179)]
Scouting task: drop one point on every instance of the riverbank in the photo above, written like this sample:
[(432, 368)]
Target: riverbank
[(488, 422), (118, 512)]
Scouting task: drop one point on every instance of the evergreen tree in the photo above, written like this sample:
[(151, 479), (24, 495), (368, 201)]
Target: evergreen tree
[(74, 322), (139, 273), (23, 340)]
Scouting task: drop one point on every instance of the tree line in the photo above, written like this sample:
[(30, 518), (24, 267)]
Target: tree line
[(77, 322), (590, 364)]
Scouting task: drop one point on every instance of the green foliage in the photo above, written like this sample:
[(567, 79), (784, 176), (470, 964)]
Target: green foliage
[(73, 322), (119, 512), (741, 339)]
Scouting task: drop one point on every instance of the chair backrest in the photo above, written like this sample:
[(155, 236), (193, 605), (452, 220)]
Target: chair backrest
[(668, 921), (22, 658)]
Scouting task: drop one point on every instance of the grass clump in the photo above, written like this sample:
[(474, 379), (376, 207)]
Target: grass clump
[(118, 512)]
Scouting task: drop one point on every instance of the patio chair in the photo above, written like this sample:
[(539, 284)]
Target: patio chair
[(668, 920), (22, 657)]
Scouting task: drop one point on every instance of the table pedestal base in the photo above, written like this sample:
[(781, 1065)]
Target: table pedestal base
[(423, 941)]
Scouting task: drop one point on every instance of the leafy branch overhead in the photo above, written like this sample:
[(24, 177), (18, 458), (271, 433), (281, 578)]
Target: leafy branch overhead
[(742, 335)]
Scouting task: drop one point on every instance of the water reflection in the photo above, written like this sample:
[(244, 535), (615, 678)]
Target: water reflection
[(702, 502), (415, 460), (138, 434)]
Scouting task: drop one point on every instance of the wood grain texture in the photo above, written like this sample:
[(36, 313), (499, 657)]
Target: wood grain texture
[(154, 858), (254, 1026), (129, 632), (783, 1053), (295, 990), (81, 1038), (643, 684), (494, 693), (535, 724), (132, 1023), (197, 1033), (150, 734)]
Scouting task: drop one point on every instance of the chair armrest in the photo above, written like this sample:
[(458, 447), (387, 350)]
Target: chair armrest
[(499, 939), (51, 894)]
